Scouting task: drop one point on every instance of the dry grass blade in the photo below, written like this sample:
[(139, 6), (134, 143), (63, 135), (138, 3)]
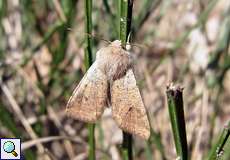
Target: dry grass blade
[(21, 116), (59, 10), (31, 143)]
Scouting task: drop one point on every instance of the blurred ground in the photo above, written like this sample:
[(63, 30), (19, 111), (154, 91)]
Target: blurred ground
[(42, 60)]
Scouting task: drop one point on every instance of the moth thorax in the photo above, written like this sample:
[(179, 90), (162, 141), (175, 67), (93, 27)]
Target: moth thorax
[(118, 69)]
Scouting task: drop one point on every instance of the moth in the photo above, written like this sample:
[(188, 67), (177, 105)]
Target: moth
[(110, 81)]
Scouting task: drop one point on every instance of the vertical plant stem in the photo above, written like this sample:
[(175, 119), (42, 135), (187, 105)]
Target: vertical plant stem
[(123, 16), (217, 150), (91, 141), (88, 28), (127, 146), (125, 19), (176, 113), (129, 18), (88, 63)]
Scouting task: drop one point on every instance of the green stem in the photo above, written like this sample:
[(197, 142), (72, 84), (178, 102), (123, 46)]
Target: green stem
[(88, 27), (88, 63), (125, 19), (218, 149), (176, 113), (91, 141), (123, 14), (127, 146)]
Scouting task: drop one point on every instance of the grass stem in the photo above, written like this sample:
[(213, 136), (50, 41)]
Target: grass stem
[(123, 14), (88, 63), (127, 146), (176, 113), (88, 28), (125, 20)]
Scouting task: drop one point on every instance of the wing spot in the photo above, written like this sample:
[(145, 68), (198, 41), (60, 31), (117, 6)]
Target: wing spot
[(130, 109)]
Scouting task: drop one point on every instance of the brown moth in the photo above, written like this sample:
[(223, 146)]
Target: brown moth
[(110, 80)]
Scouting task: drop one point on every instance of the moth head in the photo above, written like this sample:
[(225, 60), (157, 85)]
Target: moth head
[(116, 43), (114, 60)]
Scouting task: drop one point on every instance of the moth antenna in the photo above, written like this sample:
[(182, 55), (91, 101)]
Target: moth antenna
[(127, 46), (139, 45), (91, 35)]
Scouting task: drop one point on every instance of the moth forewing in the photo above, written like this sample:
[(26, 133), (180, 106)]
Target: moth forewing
[(111, 70), (90, 96), (127, 106)]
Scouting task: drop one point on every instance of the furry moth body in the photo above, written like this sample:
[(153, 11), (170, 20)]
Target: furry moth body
[(111, 78)]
